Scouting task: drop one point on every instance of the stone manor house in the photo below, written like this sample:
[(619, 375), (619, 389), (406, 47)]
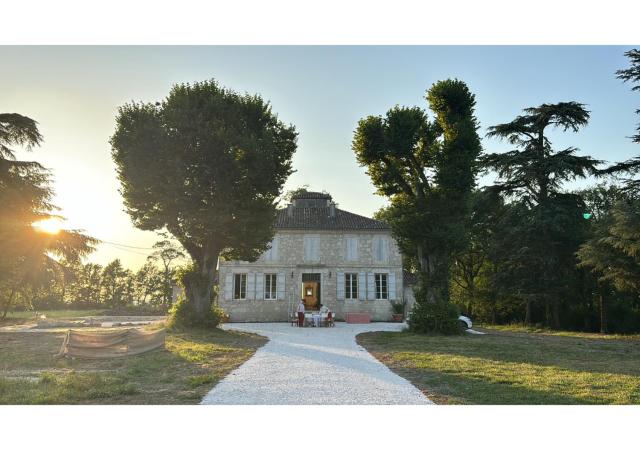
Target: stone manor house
[(320, 254)]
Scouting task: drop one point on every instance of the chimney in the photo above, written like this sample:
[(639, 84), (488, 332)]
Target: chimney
[(289, 210), (332, 209)]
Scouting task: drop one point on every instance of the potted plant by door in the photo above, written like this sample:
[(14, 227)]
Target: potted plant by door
[(397, 309)]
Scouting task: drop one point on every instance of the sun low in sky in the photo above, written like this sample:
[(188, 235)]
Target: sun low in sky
[(52, 225)]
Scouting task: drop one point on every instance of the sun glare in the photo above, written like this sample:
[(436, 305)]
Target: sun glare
[(52, 225)]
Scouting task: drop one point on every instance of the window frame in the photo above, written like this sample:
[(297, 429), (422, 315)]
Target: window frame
[(238, 293), (272, 292), (381, 285), (351, 282)]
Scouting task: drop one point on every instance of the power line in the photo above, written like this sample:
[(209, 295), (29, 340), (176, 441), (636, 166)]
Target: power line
[(130, 251), (125, 245)]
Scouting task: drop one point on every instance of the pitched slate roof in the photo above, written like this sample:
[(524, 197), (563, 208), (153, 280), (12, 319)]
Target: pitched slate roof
[(321, 218)]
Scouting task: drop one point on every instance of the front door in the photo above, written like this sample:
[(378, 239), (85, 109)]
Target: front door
[(311, 290), (310, 294)]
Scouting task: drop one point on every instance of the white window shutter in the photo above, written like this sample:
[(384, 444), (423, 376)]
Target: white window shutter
[(362, 285), (386, 250), (228, 286), (346, 249), (280, 285), (340, 293), (251, 285), (354, 249), (307, 248), (391, 286), (351, 247), (316, 248), (274, 248), (378, 249), (259, 286), (371, 287)]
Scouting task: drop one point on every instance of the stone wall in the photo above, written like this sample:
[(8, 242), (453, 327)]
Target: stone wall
[(288, 263)]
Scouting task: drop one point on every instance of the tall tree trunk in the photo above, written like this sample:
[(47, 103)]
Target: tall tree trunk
[(603, 314), (547, 312), (437, 274), (527, 312), (199, 284), (7, 303), (556, 314)]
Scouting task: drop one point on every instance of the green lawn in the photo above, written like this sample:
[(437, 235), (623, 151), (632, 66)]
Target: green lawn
[(192, 363), (506, 367)]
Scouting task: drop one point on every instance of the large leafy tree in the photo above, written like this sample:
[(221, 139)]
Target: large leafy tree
[(549, 225), (427, 169), (206, 164), (29, 256)]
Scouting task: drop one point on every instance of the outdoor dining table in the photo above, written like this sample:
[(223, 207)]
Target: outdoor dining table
[(314, 318)]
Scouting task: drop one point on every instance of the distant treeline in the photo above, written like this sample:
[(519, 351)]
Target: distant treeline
[(96, 286)]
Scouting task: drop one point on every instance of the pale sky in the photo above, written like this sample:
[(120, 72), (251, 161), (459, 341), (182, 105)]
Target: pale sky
[(74, 93)]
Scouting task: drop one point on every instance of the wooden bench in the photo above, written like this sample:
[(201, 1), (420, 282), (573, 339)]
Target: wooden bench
[(358, 318)]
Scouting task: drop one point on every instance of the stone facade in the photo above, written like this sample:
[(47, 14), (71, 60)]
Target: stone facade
[(328, 253)]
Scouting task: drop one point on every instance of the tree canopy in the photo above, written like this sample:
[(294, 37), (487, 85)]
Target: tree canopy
[(427, 169), (208, 165), (545, 232)]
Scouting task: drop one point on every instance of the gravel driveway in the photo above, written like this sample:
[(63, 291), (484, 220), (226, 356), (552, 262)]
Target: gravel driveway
[(312, 366)]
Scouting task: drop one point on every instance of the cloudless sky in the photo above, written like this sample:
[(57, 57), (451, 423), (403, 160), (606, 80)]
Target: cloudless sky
[(74, 93)]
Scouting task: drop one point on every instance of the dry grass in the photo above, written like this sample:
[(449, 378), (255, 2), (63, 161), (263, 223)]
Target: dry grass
[(192, 363), (515, 367)]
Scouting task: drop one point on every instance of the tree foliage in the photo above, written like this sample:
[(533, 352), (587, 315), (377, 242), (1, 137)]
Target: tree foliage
[(630, 166), (30, 257), (208, 165), (547, 224), (427, 169)]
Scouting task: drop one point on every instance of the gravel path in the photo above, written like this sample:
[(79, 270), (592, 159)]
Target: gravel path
[(312, 366)]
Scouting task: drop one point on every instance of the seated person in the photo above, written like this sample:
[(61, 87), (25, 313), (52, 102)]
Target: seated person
[(323, 309)]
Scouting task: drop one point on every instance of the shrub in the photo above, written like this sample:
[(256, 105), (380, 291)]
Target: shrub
[(397, 307), (438, 317), (433, 317), (182, 315)]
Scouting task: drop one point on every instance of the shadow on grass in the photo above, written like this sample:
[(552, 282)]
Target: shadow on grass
[(572, 353), (501, 370)]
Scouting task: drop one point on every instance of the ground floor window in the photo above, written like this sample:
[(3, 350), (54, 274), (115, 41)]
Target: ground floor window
[(270, 286), (351, 286), (240, 286), (382, 290)]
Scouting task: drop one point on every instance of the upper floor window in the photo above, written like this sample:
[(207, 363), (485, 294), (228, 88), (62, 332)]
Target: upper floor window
[(351, 286), (270, 286), (312, 248), (351, 248), (380, 249), (240, 286), (382, 289)]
